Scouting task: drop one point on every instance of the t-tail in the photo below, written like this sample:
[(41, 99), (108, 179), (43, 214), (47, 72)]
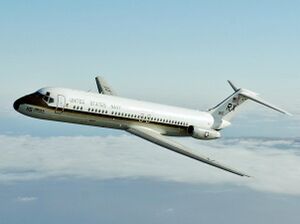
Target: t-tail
[(227, 109)]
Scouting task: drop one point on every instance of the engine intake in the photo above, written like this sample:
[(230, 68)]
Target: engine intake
[(203, 134)]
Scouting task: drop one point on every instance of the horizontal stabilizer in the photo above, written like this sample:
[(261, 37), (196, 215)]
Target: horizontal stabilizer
[(254, 97)]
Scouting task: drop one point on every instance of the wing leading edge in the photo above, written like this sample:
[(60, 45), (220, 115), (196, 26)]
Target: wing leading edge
[(156, 138)]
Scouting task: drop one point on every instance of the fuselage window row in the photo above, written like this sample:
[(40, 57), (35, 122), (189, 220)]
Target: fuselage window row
[(128, 115)]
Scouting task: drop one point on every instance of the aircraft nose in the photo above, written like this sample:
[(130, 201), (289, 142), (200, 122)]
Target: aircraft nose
[(17, 104)]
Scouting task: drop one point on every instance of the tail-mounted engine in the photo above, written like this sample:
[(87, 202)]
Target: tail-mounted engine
[(203, 134)]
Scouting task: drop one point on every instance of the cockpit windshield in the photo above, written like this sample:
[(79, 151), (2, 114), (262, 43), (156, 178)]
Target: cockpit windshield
[(47, 97)]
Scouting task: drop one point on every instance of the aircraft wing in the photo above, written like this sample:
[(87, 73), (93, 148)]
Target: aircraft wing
[(156, 138), (103, 87)]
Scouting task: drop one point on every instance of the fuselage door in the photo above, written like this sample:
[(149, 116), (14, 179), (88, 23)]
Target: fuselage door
[(61, 102)]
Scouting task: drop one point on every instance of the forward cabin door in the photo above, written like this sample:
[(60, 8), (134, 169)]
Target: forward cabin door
[(61, 103)]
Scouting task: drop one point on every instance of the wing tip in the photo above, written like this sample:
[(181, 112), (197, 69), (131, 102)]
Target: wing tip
[(242, 174), (289, 114), (285, 112)]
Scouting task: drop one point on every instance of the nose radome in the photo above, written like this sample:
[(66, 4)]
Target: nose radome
[(17, 104)]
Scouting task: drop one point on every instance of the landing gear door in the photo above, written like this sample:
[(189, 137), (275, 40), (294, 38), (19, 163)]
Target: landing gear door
[(61, 102)]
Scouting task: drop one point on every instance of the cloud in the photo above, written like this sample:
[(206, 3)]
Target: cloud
[(26, 199), (169, 210), (273, 163)]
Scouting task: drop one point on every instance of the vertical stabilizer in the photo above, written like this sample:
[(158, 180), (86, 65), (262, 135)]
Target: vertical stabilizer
[(233, 86)]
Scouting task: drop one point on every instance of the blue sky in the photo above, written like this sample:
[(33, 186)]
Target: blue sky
[(173, 52)]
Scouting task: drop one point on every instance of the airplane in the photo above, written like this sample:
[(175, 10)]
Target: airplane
[(150, 121)]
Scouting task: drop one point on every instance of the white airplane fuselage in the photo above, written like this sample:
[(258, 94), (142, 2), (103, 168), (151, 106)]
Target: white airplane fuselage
[(149, 121), (74, 106)]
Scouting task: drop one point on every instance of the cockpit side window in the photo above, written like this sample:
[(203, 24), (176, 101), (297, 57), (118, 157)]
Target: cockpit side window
[(46, 98)]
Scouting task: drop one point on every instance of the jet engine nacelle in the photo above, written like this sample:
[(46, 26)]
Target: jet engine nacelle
[(203, 134)]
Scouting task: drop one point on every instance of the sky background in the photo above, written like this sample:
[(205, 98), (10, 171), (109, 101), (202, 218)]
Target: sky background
[(173, 52)]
